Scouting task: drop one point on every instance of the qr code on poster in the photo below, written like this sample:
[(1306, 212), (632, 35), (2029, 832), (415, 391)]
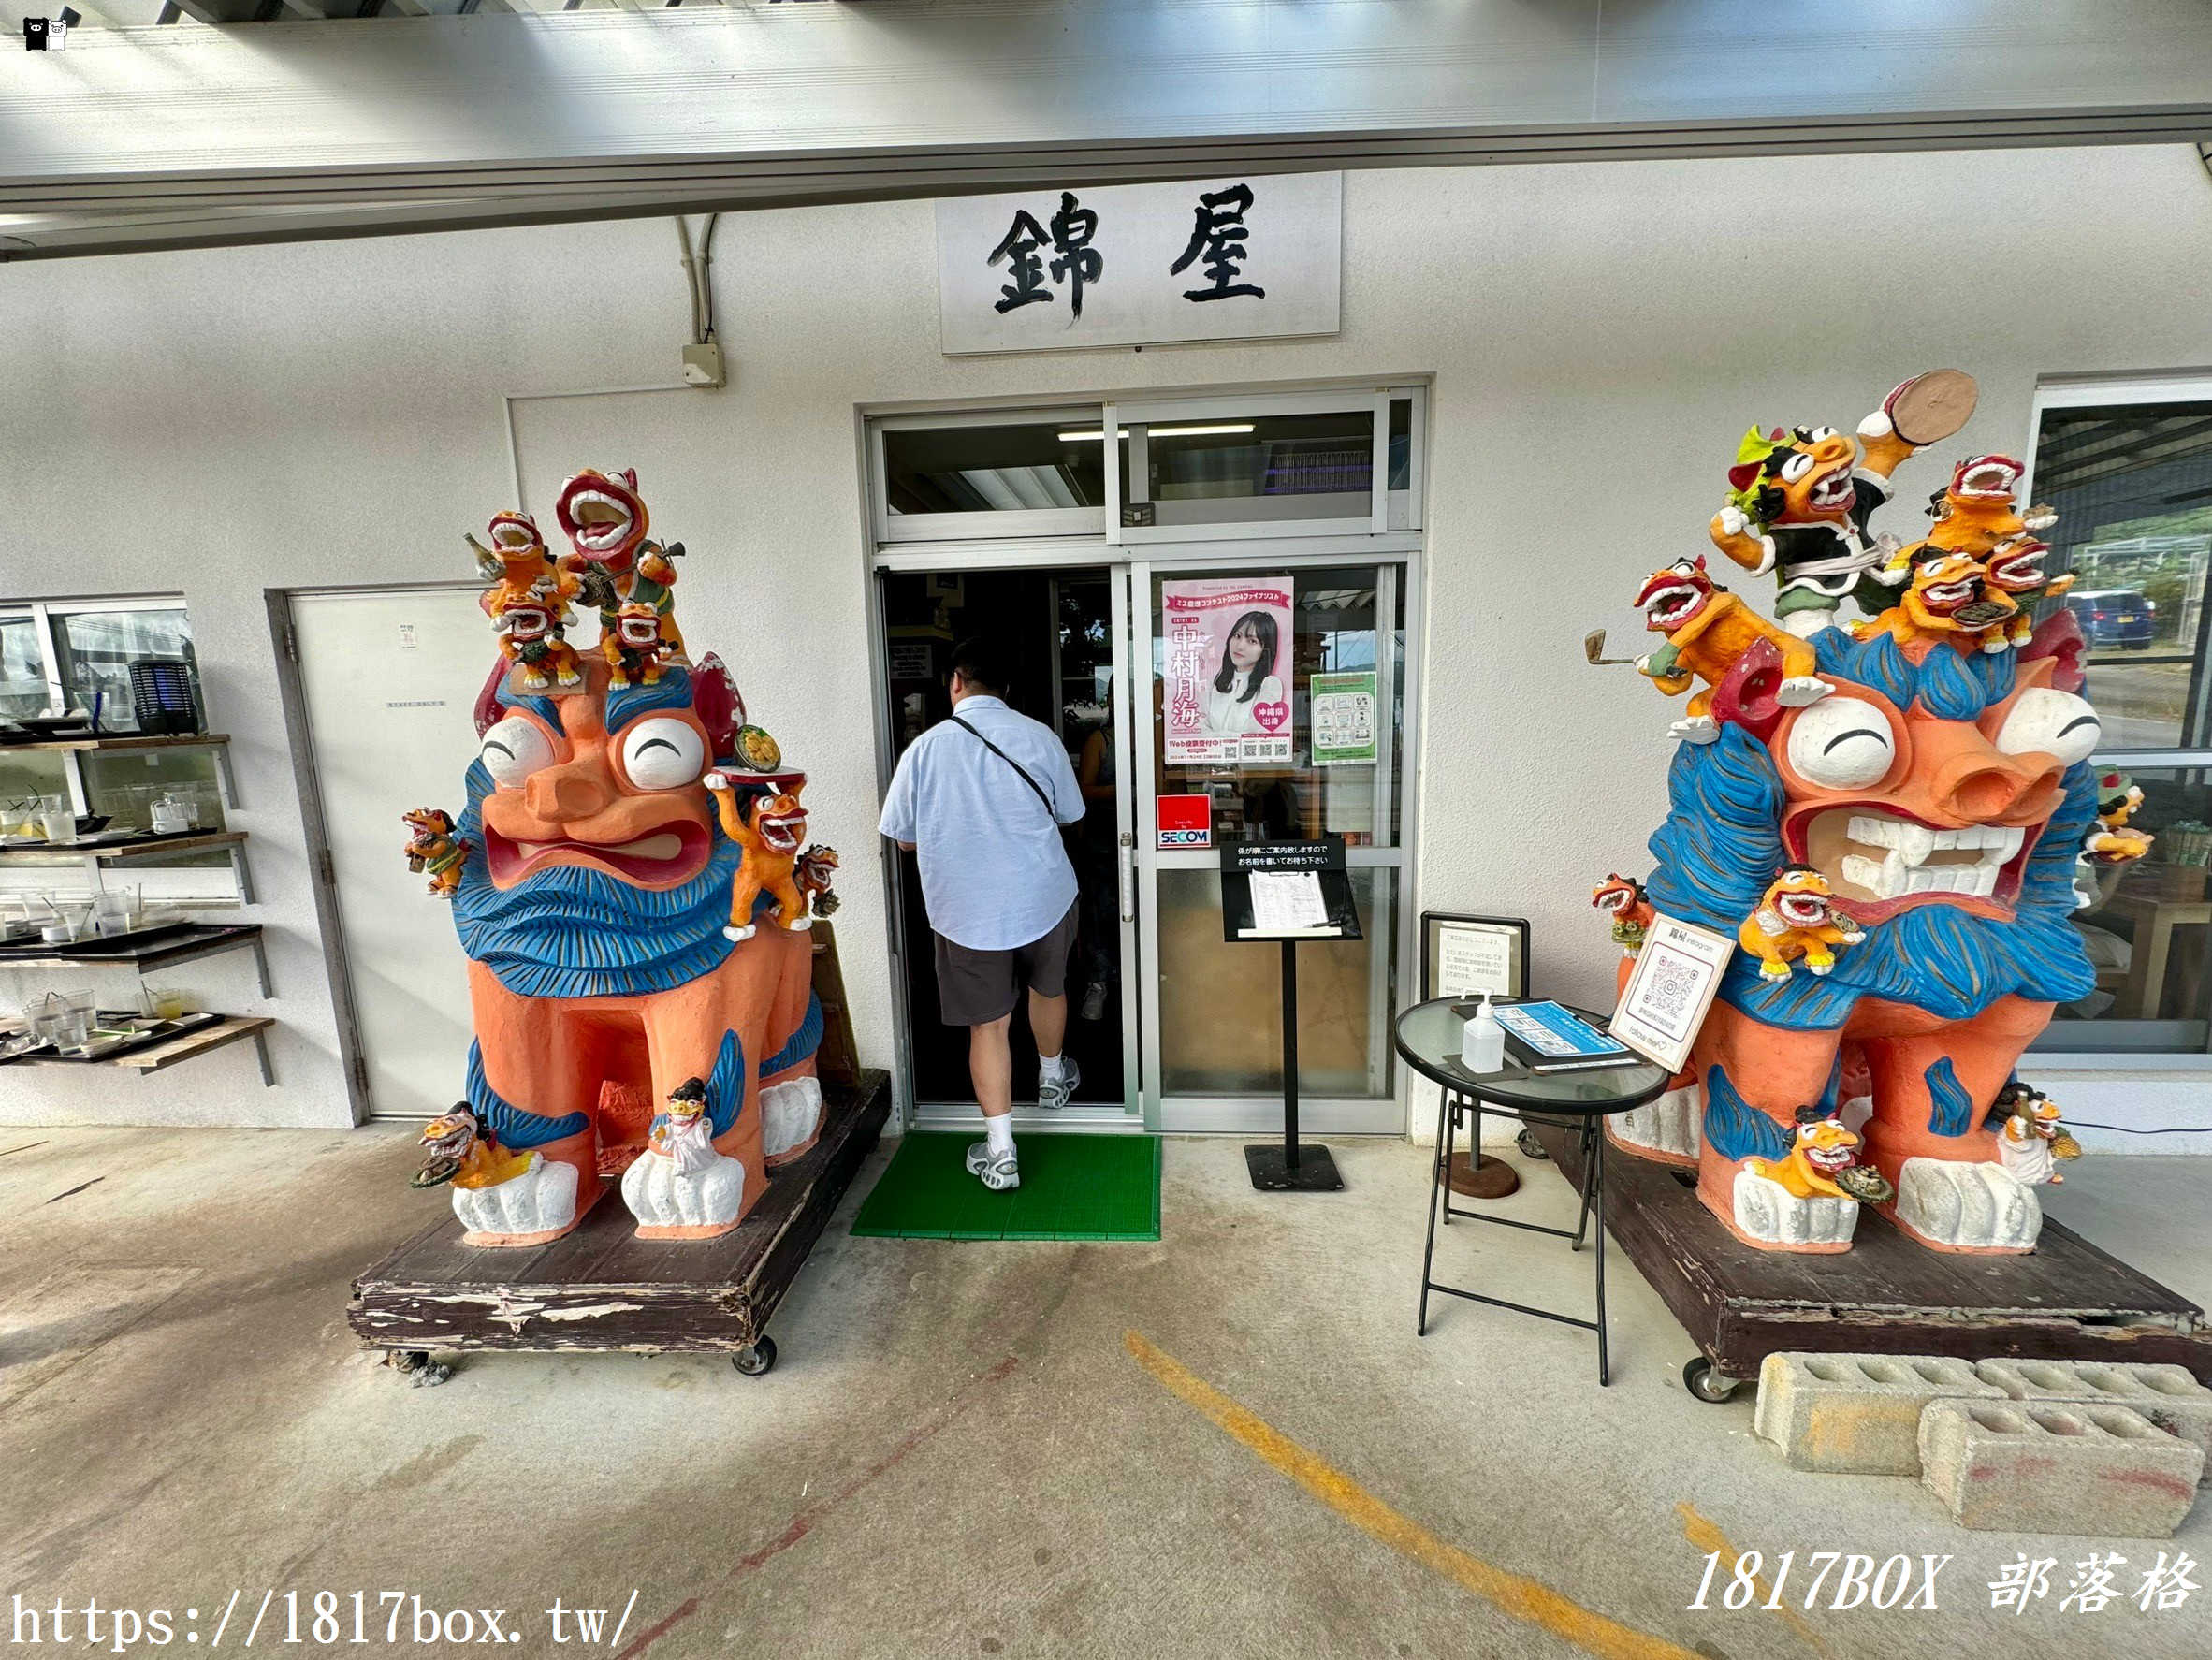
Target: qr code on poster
[(1670, 992)]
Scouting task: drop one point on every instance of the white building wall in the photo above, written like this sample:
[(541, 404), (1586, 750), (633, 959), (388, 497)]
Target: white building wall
[(226, 421)]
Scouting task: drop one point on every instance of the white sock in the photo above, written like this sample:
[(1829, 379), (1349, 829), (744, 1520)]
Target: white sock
[(1051, 1066), (999, 1132)]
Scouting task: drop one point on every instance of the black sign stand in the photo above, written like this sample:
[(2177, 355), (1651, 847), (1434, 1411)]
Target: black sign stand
[(1289, 1168)]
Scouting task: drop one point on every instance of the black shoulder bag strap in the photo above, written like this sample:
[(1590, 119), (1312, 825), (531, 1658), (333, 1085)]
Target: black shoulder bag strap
[(1002, 755)]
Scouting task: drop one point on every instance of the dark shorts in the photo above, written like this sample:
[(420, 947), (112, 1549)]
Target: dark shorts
[(976, 987)]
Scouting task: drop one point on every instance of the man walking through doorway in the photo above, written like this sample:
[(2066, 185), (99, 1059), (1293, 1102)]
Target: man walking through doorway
[(981, 799)]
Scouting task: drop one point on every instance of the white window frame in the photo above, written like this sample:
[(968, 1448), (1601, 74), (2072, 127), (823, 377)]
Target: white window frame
[(2147, 1044), (1152, 412), (1026, 524), (187, 885)]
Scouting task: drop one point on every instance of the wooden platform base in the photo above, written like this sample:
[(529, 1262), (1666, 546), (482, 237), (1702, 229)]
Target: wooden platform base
[(601, 1287), (2067, 1299)]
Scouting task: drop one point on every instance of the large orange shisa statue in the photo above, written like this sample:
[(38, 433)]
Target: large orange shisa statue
[(1895, 852), (624, 1030)]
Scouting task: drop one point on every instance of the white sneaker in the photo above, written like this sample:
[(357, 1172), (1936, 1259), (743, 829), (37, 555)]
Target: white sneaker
[(995, 1171), (1054, 1092)]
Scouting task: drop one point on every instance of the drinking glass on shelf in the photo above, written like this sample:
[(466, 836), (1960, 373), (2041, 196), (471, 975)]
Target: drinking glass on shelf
[(58, 818), (115, 910), (171, 1003), (81, 1012)]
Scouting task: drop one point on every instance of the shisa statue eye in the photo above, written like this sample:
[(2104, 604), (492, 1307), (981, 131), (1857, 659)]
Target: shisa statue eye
[(2053, 723), (663, 754), (1819, 434), (1796, 467), (1844, 743), (514, 749)]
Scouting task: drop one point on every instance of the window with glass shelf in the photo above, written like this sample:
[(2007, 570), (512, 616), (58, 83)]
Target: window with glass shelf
[(74, 658), (2128, 468)]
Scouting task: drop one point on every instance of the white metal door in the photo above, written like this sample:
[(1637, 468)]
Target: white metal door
[(389, 678), (1371, 1099)]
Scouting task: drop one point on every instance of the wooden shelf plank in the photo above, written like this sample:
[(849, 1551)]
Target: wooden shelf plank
[(204, 940), (116, 852), (158, 1057), (190, 740)]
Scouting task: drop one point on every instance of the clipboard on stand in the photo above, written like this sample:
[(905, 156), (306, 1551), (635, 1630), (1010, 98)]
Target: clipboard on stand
[(1287, 893)]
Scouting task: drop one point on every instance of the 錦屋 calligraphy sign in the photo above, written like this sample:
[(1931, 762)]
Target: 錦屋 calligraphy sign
[(1238, 258)]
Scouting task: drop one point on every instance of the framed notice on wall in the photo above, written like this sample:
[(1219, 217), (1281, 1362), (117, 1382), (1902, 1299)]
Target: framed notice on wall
[(1466, 956), (1676, 977)]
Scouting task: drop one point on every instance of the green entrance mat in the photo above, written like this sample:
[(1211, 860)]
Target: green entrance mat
[(1073, 1187)]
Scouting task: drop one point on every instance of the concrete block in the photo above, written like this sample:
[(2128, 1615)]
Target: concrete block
[(1856, 1415), (2169, 1396), (2022, 1468)]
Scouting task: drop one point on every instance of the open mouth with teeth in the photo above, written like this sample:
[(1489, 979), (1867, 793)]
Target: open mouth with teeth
[(527, 623), (1832, 492), (602, 522), (1946, 597), (1989, 480), (640, 631), (1673, 605), (1802, 910), (2020, 566), (1828, 1160), (1877, 861), (673, 853), (782, 831), (1615, 902)]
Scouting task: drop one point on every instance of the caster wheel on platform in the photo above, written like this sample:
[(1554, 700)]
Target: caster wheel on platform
[(756, 1360), (417, 1367), (1526, 1140), (1705, 1384)]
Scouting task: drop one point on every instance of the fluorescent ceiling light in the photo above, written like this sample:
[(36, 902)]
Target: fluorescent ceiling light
[(1224, 429)]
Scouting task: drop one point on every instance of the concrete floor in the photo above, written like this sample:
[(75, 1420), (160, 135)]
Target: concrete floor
[(957, 1454)]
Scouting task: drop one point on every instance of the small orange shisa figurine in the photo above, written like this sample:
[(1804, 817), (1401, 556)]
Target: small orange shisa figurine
[(1621, 898), (435, 847), (1797, 918), (529, 604)]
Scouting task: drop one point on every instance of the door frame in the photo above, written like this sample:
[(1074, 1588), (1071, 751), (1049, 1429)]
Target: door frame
[(1399, 555), (1053, 558), (307, 778)]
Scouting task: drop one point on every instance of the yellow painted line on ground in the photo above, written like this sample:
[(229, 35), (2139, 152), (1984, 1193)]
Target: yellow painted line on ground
[(1522, 1598), (1705, 1536)]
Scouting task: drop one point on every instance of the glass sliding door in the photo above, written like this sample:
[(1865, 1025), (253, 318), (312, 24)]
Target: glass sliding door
[(1212, 1027)]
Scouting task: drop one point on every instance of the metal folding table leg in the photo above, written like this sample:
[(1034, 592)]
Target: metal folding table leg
[(1596, 1157), (1436, 1189), (1593, 1144)]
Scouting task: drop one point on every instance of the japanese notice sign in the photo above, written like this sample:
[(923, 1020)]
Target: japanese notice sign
[(1341, 709), (1253, 256), (1227, 644)]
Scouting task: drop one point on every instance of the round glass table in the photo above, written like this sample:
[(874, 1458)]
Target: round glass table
[(1573, 1101)]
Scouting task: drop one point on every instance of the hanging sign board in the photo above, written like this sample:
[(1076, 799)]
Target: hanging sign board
[(1248, 257), (1673, 983), (1228, 671)]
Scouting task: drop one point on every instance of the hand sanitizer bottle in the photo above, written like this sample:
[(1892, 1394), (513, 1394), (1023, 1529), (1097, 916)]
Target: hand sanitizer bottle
[(1482, 1047)]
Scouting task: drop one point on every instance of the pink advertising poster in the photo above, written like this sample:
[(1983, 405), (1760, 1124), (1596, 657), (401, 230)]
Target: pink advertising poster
[(1228, 670)]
